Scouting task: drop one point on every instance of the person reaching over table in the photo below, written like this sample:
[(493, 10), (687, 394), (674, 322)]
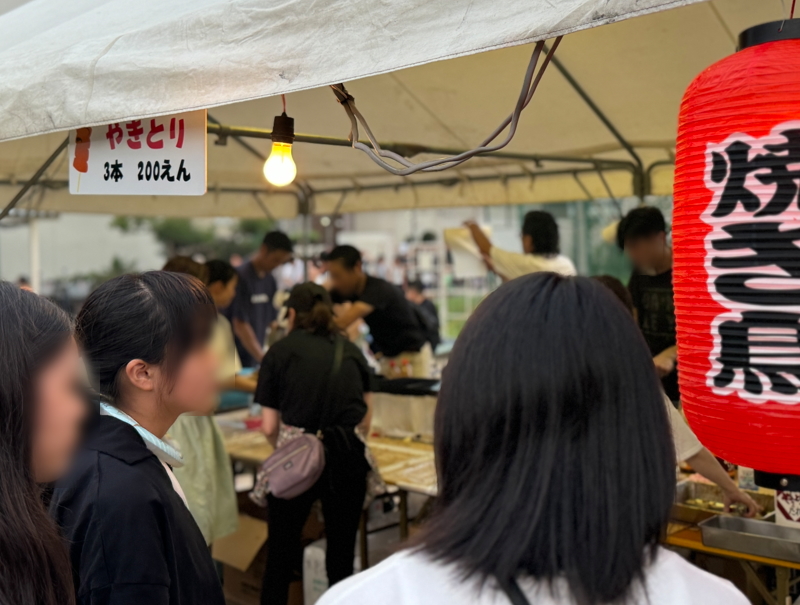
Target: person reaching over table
[(397, 332), (540, 241), (556, 469), (642, 234), (687, 446), (123, 514), (252, 310)]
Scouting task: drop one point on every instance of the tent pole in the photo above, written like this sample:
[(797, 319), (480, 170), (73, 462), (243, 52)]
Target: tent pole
[(238, 139), (639, 172), (394, 184), (649, 173), (453, 181), (410, 149), (34, 179), (304, 195), (35, 257)]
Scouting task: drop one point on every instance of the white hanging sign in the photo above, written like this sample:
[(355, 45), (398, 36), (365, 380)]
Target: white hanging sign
[(156, 156)]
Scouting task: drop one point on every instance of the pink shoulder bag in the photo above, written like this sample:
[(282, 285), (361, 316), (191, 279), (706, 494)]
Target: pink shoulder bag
[(294, 467)]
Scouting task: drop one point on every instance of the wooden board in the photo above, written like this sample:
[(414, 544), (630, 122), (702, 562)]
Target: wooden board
[(407, 464)]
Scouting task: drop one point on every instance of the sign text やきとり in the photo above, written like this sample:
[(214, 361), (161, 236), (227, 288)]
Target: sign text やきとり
[(155, 156)]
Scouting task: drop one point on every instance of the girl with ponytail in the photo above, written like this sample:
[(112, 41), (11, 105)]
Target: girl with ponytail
[(315, 381), (145, 340)]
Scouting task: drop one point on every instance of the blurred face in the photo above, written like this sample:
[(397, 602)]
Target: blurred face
[(527, 244), (59, 412), (345, 281), (647, 253), (272, 259), (222, 293), (414, 296), (194, 387)]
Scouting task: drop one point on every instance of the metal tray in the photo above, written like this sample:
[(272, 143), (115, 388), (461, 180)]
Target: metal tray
[(692, 490), (752, 536)]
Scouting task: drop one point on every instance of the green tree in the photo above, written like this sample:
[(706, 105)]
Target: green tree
[(176, 235), (183, 236), (118, 267)]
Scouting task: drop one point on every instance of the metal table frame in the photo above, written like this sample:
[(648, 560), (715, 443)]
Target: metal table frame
[(690, 538)]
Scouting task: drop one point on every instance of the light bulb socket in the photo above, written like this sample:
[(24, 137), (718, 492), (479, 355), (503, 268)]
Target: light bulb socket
[(283, 129)]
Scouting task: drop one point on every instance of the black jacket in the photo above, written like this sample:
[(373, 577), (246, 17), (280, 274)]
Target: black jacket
[(132, 541)]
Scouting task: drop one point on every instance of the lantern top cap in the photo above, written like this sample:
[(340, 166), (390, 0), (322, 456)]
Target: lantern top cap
[(770, 32)]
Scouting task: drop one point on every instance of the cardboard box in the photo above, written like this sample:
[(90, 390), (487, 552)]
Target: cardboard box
[(239, 550), (244, 587), (244, 558)]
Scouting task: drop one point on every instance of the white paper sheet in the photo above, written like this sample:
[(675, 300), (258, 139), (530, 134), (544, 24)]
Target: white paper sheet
[(467, 259)]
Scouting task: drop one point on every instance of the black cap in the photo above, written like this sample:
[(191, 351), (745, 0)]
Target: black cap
[(304, 296)]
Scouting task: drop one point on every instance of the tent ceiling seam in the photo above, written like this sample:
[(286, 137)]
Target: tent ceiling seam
[(428, 110)]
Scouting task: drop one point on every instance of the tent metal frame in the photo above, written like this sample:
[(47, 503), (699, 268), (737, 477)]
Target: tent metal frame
[(305, 193)]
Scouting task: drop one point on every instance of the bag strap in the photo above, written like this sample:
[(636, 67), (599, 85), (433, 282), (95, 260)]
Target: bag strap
[(514, 592), (338, 353)]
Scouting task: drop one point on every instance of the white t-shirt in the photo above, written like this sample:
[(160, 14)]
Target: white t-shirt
[(411, 578), (513, 264), (686, 442)]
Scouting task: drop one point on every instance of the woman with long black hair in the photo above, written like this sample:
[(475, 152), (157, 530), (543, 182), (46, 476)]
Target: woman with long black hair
[(302, 387), (41, 411), (555, 463), (132, 539)]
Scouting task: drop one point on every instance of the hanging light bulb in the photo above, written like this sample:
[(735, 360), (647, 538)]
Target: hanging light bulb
[(280, 169)]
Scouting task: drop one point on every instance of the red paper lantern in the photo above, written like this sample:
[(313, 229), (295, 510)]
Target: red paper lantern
[(736, 243)]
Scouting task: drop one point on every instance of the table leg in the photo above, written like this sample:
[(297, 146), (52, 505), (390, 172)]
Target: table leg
[(755, 581), (362, 539), (782, 579), (403, 514)]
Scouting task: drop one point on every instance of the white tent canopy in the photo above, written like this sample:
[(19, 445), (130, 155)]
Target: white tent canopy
[(64, 65)]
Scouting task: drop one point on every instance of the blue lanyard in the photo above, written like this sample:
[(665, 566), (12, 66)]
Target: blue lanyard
[(162, 450)]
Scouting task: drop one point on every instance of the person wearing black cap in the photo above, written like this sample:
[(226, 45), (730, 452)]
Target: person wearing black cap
[(302, 387), (426, 310)]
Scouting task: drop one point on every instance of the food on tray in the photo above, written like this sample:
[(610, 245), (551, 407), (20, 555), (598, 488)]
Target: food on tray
[(706, 504)]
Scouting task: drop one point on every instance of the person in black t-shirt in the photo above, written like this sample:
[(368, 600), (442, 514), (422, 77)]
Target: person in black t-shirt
[(398, 335), (426, 310), (642, 234), (296, 388)]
